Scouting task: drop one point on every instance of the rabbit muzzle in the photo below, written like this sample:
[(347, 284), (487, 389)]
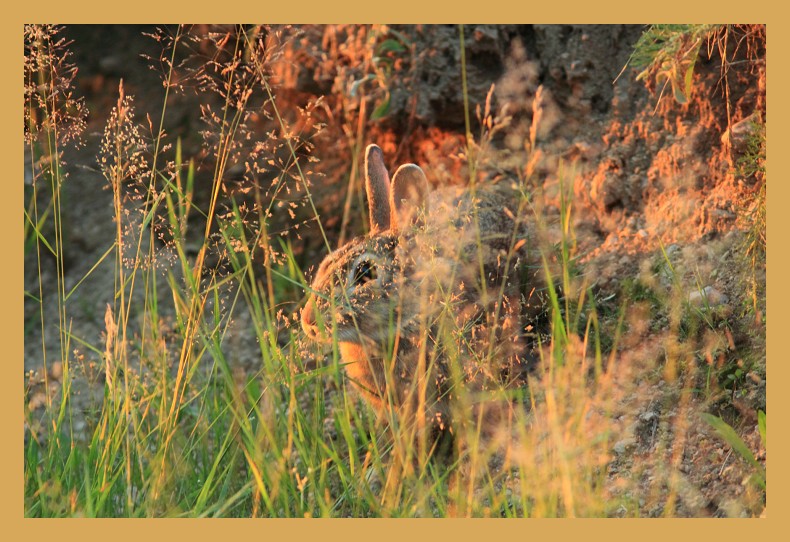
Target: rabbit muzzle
[(308, 319), (345, 328)]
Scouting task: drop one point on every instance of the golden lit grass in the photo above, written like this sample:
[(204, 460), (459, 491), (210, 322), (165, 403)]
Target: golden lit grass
[(181, 430)]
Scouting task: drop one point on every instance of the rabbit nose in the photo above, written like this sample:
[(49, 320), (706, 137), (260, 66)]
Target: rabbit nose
[(308, 320)]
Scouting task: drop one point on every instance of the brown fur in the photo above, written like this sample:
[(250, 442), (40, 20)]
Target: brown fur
[(436, 280)]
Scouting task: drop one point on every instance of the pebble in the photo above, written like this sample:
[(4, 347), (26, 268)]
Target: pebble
[(648, 416), (741, 132), (723, 213), (36, 401), (672, 249), (709, 294), (622, 445)]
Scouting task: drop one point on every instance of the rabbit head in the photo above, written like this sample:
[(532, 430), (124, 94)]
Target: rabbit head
[(359, 289)]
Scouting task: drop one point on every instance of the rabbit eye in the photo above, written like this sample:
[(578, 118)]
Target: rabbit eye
[(365, 271)]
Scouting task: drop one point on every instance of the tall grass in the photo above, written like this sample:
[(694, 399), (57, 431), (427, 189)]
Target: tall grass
[(182, 430)]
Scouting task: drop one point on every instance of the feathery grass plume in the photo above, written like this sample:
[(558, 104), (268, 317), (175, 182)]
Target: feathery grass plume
[(54, 118), (52, 110)]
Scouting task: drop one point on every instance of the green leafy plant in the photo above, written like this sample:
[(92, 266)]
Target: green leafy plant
[(668, 53), (386, 52), (728, 435)]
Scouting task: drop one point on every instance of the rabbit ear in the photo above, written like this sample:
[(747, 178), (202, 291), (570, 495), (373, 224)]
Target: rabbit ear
[(377, 182), (409, 195)]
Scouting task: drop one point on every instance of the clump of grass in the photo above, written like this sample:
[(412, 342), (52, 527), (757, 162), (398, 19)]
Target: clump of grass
[(149, 449), (668, 53), (728, 434), (54, 120), (751, 165)]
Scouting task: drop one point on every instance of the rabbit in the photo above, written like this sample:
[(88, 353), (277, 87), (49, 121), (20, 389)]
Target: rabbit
[(443, 275)]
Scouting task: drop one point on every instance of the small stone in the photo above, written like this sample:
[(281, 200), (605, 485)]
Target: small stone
[(56, 370), (709, 295), (622, 445), (723, 213), (79, 426), (741, 133), (648, 416), (36, 401)]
